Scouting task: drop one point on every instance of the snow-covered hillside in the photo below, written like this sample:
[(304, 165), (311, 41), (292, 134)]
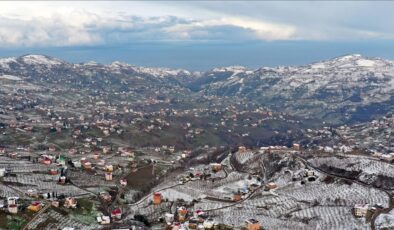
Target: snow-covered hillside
[(350, 85), (343, 89)]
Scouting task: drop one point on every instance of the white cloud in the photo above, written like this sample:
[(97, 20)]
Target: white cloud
[(258, 29), (66, 26), (88, 23)]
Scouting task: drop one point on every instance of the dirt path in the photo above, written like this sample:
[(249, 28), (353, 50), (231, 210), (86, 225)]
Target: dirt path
[(382, 211)]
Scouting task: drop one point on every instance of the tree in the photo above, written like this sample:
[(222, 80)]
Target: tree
[(143, 219)]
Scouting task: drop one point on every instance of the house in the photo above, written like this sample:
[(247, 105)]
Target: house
[(106, 132), (2, 172), (12, 200), (32, 193), (62, 180), (70, 202), (13, 208), (55, 203), (96, 156), (169, 218), (252, 224), (216, 167), (116, 214), (53, 171), (52, 148), (87, 165), (176, 226), (198, 213), (123, 182), (77, 164), (309, 173), (105, 196), (103, 220), (386, 157), (237, 196), (328, 149), (241, 149), (126, 152), (108, 176), (106, 149), (109, 168), (45, 160), (209, 223), (182, 212), (101, 162), (192, 224), (72, 151), (271, 185), (11, 205), (2, 150), (61, 160), (296, 147), (360, 210), (34, 206), (157, 197), (172, 149)]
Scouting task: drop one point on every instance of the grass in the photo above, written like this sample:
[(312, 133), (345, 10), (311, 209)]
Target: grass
[(11, 222), (86, 211), (140, 179)]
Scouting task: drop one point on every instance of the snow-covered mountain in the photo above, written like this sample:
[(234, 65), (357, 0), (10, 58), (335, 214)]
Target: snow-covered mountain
[(347, 88), (40, 63), (113, 79)]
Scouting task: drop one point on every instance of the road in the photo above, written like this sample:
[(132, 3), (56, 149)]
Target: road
[(47, 205), (236, 203)]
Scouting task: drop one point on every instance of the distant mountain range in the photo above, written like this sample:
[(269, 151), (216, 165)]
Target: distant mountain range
[(342, 90)]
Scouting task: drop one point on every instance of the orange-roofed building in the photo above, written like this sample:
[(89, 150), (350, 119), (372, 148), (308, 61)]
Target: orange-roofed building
[(157, 198)]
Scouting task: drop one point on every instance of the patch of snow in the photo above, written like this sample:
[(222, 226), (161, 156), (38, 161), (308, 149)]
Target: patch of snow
[(5, 62), (230, 69), (365, 63), (172, 195), (90, 63), (40, 59), (385, 221), (10, 77), (161, 72), (318, 66), (348, 57)]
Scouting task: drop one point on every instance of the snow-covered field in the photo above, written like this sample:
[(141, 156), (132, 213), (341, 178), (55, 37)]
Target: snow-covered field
[(369, 169), (319, 204), (385, 221)]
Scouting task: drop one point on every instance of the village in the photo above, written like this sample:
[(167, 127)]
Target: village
[(96, 148), (124, 188)]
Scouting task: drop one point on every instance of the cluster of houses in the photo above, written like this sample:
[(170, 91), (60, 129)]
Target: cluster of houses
[(91, 162), (14, 204), (375, 136), (184, 219), (276, 149), (108, 126), (305, 176), (116, 215)]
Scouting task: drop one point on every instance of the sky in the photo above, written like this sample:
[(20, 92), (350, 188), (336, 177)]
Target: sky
[(197, 35)]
